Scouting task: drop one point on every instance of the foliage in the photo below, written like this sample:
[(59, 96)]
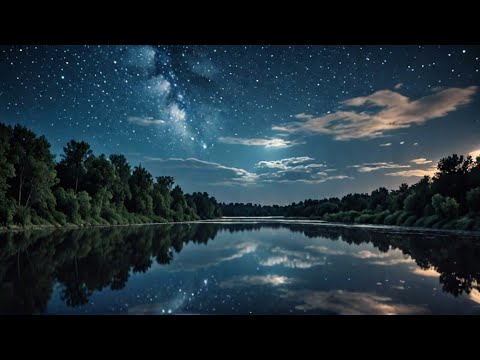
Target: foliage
[(84, 188)]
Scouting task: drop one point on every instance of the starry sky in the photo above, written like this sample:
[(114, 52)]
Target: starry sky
[(261, 124)]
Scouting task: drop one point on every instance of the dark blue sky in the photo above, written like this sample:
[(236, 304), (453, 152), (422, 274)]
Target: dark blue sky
[(267, 124)]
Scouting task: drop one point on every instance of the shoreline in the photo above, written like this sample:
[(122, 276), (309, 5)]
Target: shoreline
[(265, 220)]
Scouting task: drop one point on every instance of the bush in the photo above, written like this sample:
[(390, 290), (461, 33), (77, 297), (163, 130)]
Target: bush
[(473, 200), (380, 217), (392, 218), (464, 223), (364, 219), (402, 218), (410, 220), (22, 216), (446, 207), (430, 220)]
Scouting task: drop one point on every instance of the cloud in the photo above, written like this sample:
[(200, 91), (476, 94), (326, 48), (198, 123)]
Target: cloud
[(421, 161), (199, 257), (298, 177), (417, 172), (392, 257), (387, 111), (350, 303), (243, 281), (272, 142), (144, 121), (202, 171), (292, 259), (398, 86), (386, 144), (402, 142), (215, 174), (285, 164), (474, 154), (176, 113), (368, 167), (295, 170)]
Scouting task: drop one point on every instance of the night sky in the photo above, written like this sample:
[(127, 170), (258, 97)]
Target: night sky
[(262, 124)]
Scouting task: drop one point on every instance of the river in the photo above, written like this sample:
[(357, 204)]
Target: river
[(240, 266)]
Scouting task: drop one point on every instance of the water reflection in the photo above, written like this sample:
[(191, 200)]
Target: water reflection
[(281, 261)]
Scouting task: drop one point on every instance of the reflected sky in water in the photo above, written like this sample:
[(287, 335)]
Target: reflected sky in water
[(244, 267)]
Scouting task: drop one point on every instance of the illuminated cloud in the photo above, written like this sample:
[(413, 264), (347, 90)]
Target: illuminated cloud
[(421, 161), (268, 143), (474, 154), (386, 144), (418, 172), (144, 121), (368, 167), (387, 111)]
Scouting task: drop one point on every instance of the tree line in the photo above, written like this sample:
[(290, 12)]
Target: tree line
[(85, 189), (450, 200)]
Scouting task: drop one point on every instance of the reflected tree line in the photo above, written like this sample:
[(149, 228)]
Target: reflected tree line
[(455, 258), (83, 261)]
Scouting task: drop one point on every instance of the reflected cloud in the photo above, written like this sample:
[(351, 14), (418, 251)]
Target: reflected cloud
[(428, 272), (351, 303), (243, 249), (474, 296), (214, 255), (293, 259), (241, 281), (325, 250)]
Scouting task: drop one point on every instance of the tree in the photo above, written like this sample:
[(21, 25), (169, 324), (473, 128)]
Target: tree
[(34, 170), (71, 168), (120, 188), (141, 184), (7, 171)]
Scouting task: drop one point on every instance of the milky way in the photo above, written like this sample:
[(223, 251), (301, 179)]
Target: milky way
[(216, 117)]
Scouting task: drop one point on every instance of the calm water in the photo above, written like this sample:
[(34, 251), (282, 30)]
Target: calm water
[(242, 266)]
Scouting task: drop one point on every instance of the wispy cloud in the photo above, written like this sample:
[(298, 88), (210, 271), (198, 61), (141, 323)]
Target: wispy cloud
[(386, 144), (417, 172), (317, 178), (145, 121), (387, 110), (398, 86), (268, 143), (204, 171), (368, 167), (421, 161), (295, 170)]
